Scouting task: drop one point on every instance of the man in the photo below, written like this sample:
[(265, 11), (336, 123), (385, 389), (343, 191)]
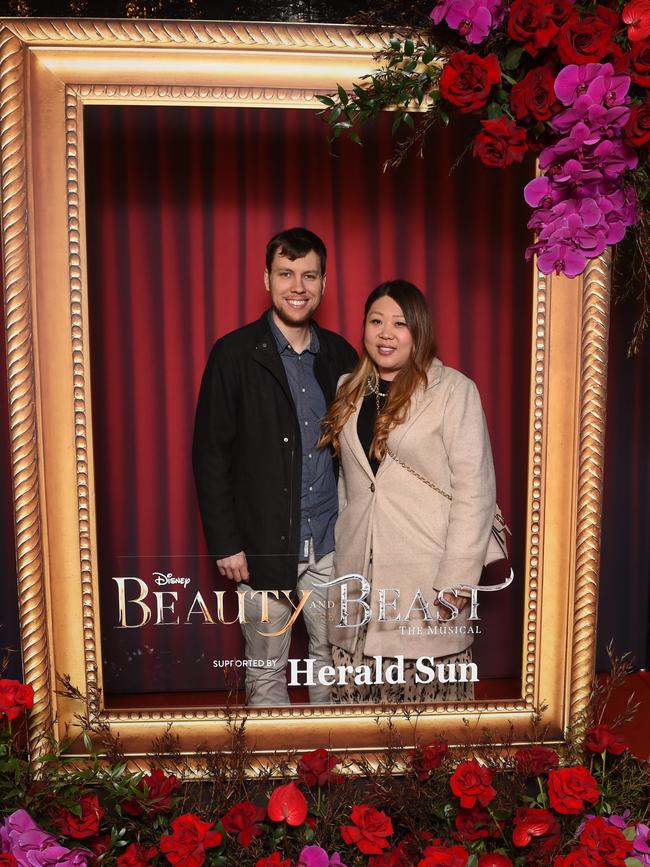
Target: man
[(267, 494)]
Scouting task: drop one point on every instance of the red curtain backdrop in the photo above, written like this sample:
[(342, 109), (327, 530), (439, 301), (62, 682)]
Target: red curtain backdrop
[(9, 630), (180, 205)]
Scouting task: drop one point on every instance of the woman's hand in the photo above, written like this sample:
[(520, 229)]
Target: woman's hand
[(459, 601)]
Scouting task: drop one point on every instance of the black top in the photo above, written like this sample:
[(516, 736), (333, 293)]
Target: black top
[(366, 420)]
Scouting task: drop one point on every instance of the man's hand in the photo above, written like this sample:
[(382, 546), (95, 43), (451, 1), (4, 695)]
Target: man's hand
[(235, 567)]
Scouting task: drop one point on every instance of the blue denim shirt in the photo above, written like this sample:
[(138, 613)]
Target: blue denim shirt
[(318, 500)]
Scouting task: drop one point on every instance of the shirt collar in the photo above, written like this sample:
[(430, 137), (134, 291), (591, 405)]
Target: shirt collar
[(283, 343)]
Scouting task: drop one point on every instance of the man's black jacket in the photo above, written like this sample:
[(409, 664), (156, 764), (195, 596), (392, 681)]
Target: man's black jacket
[(247, 453)]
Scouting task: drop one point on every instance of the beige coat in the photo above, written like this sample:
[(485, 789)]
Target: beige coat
[(419, 540)]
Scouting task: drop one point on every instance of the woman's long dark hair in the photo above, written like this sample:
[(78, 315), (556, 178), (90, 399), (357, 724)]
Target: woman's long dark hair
[(415, 309)]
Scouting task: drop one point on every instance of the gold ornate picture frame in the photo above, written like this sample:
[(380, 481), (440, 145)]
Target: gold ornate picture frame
[(49, 71)]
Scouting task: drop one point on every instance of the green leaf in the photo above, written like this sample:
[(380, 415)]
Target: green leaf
[(472, 861), (395, 44), (326, 100), (444, 115), (512, 58), (409, 47), (408, 120), (633, 862), (88, 744), (343, 96), (428, 54), (508, 78), (629, 833), (396, 123), (494, 111), (353, 136)]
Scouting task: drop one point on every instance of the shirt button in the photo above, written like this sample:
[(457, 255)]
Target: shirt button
[(286, 490), (306, 422), (303, 390), (285, 439), (310, 488), (372, 487), (282, 538), (309, 456)]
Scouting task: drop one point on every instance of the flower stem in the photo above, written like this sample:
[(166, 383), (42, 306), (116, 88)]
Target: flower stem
[(498, 826), (542, 794)]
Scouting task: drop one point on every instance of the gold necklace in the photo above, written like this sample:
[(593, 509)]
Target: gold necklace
[(373, 387)]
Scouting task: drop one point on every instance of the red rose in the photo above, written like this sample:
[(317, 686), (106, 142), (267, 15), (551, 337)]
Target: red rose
[(441, 853), (14, 698), (532, 822), (157, 794), (467, 78), (570, 788), (474, 824), (534, 97), (494, 859), (472, 782), (369, 829), (242, 820), (640, 63), (605, 841), (500, 143), (7, 860), (637, 128), (315, 768), (85, 825), (99, 845), (561, 11), (136, 855), (535, 761), (274, 860), (636, 15), (601, 737), (424, 759), (395, 857), (619, 59), (190, 838), (577, 858), (531, 22), (587, 40), (287, 804)]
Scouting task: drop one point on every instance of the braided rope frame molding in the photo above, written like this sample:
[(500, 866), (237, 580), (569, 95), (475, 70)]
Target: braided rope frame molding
[(21, 387), (201, 34), (593, 392)]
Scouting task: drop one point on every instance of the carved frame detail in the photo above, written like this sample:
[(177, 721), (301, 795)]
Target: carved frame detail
[(48, 71)]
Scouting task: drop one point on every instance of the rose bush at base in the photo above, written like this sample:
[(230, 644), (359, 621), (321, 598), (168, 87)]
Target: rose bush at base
[(582, 804)]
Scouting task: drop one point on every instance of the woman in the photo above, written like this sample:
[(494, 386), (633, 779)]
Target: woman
[(417, 503)]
